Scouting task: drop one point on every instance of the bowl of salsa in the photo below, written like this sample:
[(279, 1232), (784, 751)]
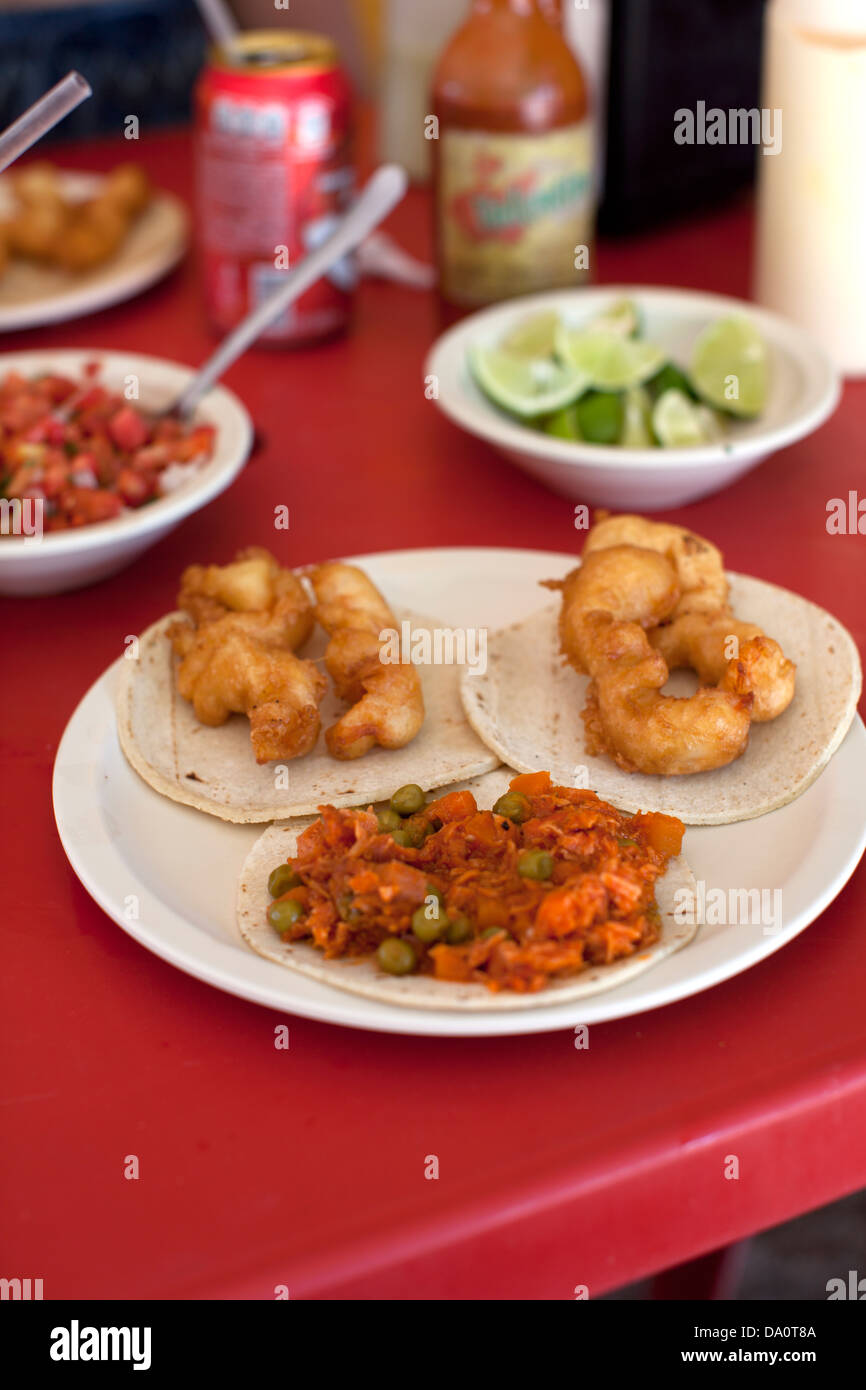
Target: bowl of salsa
[(92, 472)]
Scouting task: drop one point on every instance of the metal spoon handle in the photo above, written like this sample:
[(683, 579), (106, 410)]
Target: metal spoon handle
[(381, 193)]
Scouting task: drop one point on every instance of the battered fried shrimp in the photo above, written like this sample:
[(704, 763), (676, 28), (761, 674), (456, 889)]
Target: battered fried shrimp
[(227, 669), (74, 235), (128, 187), (274, 599), (760, 667), (641, 729), (387, 704), (345, 597), (698, 563), (92, 234), (42, 214), (634, 585)]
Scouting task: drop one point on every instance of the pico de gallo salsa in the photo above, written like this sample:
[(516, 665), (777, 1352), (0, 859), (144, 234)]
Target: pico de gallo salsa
[(86, 452), (551, 881)]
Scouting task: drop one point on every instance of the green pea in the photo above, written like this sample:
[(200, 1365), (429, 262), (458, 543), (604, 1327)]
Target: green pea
[(496, 931), (408, 800), (396, 956), (535, 863), (429, 928), (600, 417), (285, 914), (282, 878), (623, 840), (402, 837), (388, 819), (459, 929), (514, 806)]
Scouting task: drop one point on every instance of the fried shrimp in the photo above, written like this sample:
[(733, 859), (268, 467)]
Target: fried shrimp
[(74, 235), (733, 655), (273, 599), (226, 668), (387, 705), (237, 653), (698, 563), (634, 585), (628, 718)]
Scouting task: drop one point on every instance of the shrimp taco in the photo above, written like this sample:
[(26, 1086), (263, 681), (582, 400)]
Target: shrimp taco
[(269, 693), (668, 684), (500, 894)]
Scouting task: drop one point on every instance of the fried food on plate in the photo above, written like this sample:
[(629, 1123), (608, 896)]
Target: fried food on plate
[(387, 704), (759, 668), (237, 655), (627, 717), (698, 563), (226, 668), (74, 235), (638, 608), (632, 584), (255, 584)]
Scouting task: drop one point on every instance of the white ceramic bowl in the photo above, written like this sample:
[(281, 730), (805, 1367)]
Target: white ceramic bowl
[(70, 559), (804, 390)]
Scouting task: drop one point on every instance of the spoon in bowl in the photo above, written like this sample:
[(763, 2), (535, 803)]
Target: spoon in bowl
[(382, 192)]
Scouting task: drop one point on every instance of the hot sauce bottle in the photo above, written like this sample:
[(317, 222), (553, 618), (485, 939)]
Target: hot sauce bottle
[(513, 177)]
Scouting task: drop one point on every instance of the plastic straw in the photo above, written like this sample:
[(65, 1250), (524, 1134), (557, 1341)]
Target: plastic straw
[(42, 116), (218, 20)]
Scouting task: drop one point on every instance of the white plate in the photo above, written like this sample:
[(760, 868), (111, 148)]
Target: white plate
[(168, 874), (32, 295), (804, 390), (67, 559)]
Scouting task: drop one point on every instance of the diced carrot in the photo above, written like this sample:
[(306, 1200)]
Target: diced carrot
[(663, 833), (450, 963), (452, 806), (531, 783)]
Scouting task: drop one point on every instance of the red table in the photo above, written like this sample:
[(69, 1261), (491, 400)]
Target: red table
[(259, 1167)]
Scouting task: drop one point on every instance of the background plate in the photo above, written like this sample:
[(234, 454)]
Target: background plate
[(32, 294), (173, 888)]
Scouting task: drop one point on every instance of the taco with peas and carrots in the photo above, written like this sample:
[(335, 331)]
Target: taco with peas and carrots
[(499, 894)]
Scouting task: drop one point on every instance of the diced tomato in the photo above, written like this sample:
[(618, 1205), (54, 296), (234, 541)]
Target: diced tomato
[(86, 504), (84, 448), (135, 487), (127, 429)]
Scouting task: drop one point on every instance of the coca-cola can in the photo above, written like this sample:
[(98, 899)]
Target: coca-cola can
[(274, 173)]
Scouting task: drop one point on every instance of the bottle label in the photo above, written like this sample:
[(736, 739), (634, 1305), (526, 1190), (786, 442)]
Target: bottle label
[(514, 211)]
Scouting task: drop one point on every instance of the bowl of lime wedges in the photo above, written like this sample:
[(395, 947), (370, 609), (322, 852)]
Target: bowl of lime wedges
[(632, 397)]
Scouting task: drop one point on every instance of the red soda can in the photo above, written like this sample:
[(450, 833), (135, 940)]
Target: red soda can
[(274, 173)]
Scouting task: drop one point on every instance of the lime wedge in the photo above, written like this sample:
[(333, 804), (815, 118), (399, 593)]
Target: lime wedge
[(729, 366), (637, 407), (623, 318), (609, 361), (526, 386), (677, 422), (670, 378), (599, 417), (533, 337), (713, 424), (562, 424)]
